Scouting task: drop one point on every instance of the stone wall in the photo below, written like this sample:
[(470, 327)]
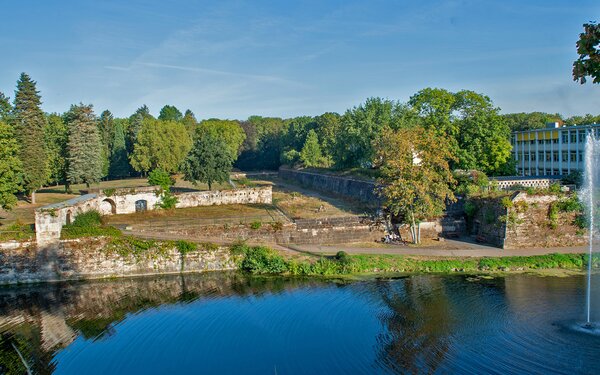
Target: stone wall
[(95, 258), (313, 231), (50, 219), (525, 223), (361, 190)]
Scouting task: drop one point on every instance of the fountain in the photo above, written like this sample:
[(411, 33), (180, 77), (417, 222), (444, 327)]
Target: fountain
[(589, 196)]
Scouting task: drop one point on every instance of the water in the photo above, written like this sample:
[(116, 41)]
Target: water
[(232, 324), (590, 197)]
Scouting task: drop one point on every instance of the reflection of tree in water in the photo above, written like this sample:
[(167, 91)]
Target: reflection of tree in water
[(418, 325), (22, 351)]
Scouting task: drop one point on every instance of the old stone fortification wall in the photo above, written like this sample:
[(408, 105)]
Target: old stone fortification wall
[(351, 188), (50, 219), (309, 231), (526, 223), (95, 258)]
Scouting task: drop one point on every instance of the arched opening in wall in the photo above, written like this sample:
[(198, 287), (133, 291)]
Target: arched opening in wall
[(108, 207), (141, 205), (68, 218)]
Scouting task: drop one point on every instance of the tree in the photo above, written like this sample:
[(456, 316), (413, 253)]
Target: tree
[(119, 164), (360, 126), (415, 175), (5, 107), (229, 131), (311, 155), (160, 145), (56, 138), (190, 122), (588, 48), (328, 129), (29, 122), (11, 175), (209, 161), (135, 124), (170, 113), (530, 121), (158, 177), (264, 143), (84, 146), (106, 129)]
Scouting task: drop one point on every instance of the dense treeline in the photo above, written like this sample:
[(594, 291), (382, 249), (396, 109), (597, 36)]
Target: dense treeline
[(79, 146)]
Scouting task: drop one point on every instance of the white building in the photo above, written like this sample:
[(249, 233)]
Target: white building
[(552, 151)]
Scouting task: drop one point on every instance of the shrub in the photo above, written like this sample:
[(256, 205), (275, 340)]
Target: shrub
[(239, 248), (554, 188), (262, 260), (277, 225), (470, 208), (88, 224), (167, 201), (507, 202), (209, 246), (342, 257), (185, 247), (255, 225), (553, 215), (87, 219), (160, 178), (571, 204)]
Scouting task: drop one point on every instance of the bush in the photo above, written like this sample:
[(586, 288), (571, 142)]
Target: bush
[(262, 260), (470, 208), (185, 247), (167, 201), (277, 226), (555, 188), (160, 178), (571, 204), (342, 257), (255, 225), (88, 224)]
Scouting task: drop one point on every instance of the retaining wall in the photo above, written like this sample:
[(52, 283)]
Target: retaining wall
[(93, 258), (360, 190)]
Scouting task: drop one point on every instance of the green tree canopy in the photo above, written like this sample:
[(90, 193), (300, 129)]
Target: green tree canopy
[(170, 113), (311, 155), (229, 131), (263, 144), (209, 161), (529, 121), (11, 173), (5, 107), (56, 137), (415, 178), (160, 145), (588, 49), (84, 146), (106, 128), (29, 122), (119, 163), (190, 122)]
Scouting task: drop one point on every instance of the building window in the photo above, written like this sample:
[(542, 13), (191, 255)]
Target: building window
[(547, 141), (533, 156), (565, 172), (555, 156), (526, 157), (548, 156), (532, 142), (580, 155), (574, 156), (565, 156), (540, 141), (582, 136), (555, 140), (573, 135), (565, 137)]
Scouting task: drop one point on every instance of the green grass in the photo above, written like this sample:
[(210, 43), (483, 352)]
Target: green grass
[(17, 232), (88, 224), (261, 260)]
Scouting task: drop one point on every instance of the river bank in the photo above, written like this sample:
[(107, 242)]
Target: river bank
[(106, 257)]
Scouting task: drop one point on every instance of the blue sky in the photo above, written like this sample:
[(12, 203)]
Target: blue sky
[(232, 59)]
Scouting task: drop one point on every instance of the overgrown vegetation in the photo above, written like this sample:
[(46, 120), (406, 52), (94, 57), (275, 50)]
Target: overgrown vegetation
[(262, 260), (17, 232), (88, 224)]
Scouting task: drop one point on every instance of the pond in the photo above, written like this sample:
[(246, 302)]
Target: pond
[(229, 323)]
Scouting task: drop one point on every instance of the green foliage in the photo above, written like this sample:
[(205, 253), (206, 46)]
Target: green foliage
[(84, 147), (311, 155), (573, 178), (262, 260), (588, 49), (229, 132), (17, 232), (553, 216), (106, 130), (119, 162), (255, 225), (489, 216), (554, 188), (570, 204), (160, 145), (185, 247), (5, 107), (209, 161), (529, 121), (158, 177), (580, 221), (415, 175), (56, 140), (470, 208), (290, 157), (170, 113), (29, 122), (11, 172), (265, 140), (507, 202), (88, 224)]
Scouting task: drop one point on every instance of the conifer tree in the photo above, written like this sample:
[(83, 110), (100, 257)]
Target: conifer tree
[(135, 124), (29, 122), (5, 107), (10, 167), (119, 164), (170, 113), (84, 146), (55, 138), (311, 155), (105, 127)]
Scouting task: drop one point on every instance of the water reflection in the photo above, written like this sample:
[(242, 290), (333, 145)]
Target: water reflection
[(227, 323)]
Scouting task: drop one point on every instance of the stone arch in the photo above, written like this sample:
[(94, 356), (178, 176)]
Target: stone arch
[(108, 207)]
